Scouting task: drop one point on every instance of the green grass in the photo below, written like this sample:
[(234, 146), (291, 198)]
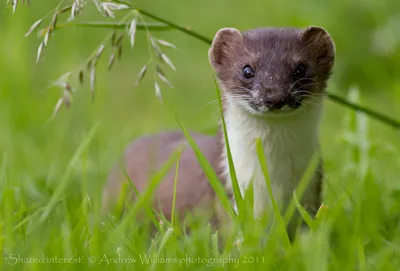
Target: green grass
[(52, 174)]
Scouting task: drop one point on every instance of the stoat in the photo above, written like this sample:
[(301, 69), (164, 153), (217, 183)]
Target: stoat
[(272, 83)]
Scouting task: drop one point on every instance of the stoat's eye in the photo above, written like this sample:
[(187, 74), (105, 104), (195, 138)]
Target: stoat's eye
[(248, 72), (300, 72)]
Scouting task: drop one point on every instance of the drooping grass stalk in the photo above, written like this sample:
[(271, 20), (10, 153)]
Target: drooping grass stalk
[(183, 29), (370, 112), (116, 25)]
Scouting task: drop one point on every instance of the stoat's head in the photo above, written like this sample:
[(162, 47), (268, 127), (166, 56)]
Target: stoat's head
[(273, 70)]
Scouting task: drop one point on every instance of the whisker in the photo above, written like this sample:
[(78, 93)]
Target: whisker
[(238, 87), (309, 84)]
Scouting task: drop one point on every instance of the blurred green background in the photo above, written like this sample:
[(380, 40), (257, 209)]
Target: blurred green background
[(41, 178), (366, 33)]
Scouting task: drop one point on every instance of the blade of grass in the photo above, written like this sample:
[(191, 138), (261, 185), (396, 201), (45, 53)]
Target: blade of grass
[(175, 185), (66, 178), (209, 171), (153, 184), (358, 128), (150, 211), (360, 160), (165, 239), (7, 204), (3, 173), (28, 218), (361, 255), (322, 215), (214, 244), (302, 186), (161, 228), (144, 197), (232, 172), (322, 211), (304, 214), (339, 206), (248, 202), (120, 205), (207, 239), (280, 222)]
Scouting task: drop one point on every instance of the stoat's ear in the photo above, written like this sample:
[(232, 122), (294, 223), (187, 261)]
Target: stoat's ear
[(321, 44), (225, 40)]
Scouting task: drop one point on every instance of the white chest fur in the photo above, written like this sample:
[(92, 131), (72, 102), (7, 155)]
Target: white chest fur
[(289, 143)]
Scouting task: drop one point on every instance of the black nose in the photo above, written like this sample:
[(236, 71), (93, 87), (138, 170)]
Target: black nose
[(275, 104)]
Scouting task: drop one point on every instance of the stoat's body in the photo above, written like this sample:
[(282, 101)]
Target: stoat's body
[(288, 144), (272, 83)]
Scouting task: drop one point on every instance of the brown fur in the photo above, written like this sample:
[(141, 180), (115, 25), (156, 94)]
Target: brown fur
[(146, 155)]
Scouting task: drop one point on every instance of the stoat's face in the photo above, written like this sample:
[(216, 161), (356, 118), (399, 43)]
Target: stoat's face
[(273, 70)]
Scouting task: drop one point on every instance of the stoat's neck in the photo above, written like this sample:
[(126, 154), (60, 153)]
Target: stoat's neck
[(288, 143)]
